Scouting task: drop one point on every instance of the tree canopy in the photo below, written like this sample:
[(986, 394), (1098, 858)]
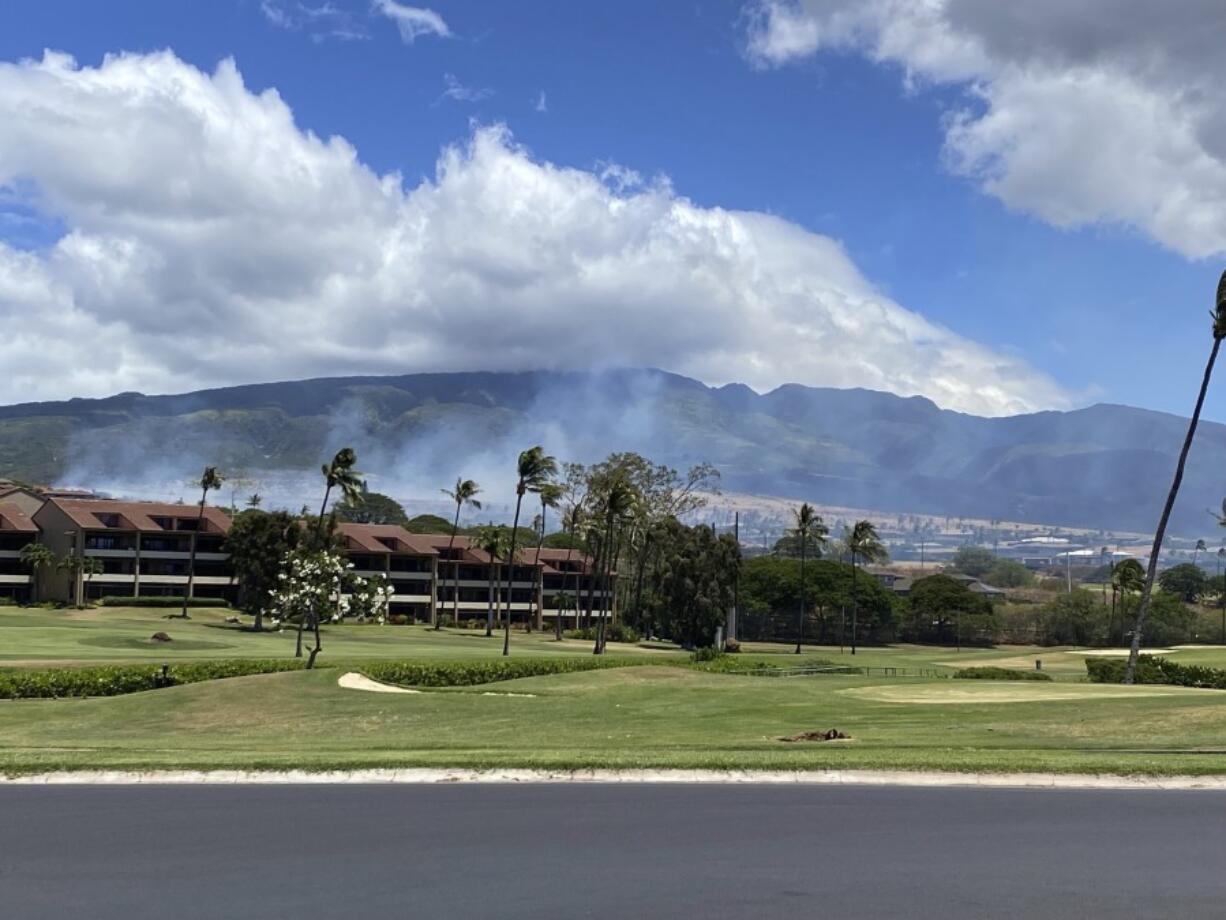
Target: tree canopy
[(1186, 581), (373, 508), (975, 561)]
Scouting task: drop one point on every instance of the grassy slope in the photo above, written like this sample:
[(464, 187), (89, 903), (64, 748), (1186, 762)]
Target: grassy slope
[(633, 717), (638, 717)]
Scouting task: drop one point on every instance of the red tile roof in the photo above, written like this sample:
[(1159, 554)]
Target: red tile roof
[(366, 537), (137, 515), (13, 518)]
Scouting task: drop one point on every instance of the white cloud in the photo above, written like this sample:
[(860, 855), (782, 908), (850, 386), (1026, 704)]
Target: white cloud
[(412, 21), (323, 22), (212, 241), (542, 104), (456, 91), (1078, 111)]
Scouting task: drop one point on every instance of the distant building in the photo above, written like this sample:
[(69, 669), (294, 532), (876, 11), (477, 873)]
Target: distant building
[(17, 531)]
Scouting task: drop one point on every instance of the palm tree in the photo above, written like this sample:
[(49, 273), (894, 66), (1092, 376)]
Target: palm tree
[(1219, 333), (534, 468), (550, 495), (619, 501), (863, 543), (1200, 548), (37, 557), (809, 526), (493, 541), (339, 474), (210, 480), (464, 493), (572, 520)]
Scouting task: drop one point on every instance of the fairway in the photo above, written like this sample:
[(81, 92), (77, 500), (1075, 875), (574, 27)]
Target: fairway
[(979, 693)]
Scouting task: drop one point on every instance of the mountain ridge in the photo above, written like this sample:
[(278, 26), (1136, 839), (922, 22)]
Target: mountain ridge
[(1102, 466)]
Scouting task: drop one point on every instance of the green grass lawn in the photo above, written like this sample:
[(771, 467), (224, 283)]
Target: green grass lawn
[(629, 717), (664, 716)]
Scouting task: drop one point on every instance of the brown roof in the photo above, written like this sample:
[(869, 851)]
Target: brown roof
[(367, 537), (137, 515), (13, 518)]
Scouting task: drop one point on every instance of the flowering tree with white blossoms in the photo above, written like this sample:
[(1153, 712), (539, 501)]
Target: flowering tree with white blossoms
[(311, 582), (369, 598)]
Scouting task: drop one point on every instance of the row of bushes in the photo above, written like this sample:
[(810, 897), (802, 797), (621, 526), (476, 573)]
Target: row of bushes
[(163, 602), (471, 673), (115, 680), (614, 632), (1153, 670), (993, 673)]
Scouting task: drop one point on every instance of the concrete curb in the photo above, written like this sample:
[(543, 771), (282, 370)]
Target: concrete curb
[(422, 776)]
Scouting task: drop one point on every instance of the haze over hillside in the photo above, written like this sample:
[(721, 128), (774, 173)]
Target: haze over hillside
[(1105, 466)]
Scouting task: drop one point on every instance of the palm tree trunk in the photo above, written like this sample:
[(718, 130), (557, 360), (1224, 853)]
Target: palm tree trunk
[(855, 602), (191, 562), (319, 532), (570, 550), (800, 625), (455, 587), (489, 613), (603, 582), (593, 578), (506, 635), (539, 599), (1143, 610)]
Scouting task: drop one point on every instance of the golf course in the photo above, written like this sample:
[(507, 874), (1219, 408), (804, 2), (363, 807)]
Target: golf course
[(649, 707)]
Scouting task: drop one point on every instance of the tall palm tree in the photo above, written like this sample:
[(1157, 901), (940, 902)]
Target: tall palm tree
[(338, 474), (863, 544), (534, 468), (493, 541), (37, 557), (550, 495), (1129, 578), (619, 500), (1221, 598), (809, 526), (210, 480), (572, 519), (1219, 333), (464, 493), (1200, 548)]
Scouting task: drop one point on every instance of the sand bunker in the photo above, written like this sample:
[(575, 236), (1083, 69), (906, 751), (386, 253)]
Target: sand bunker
[(355, 681), (985, 693), (496, 693)]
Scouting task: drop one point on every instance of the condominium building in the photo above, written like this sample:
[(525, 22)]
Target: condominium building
[(17, 531), (140, 549)]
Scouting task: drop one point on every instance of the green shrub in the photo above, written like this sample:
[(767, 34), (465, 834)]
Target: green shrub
[(1153, 670), (472, 673), (115, 680), (709, 653), (993, 673), (163, 602), (614, 632), (732, 664)]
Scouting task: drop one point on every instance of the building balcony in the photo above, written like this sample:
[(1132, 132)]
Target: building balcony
[(111, 553), (182, 579), (14, 579), (411, 599)]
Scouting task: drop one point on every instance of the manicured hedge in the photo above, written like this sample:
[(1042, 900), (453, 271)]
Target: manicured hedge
[(115, 680), (994, 673), (163, 602), (471, 673), (1153, 670)]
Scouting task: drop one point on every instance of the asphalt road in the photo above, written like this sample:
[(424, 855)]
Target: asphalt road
[(633, 851)]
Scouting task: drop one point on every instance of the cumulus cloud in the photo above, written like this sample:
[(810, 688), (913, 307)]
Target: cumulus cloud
[(212, 241), (1077, 111), (412, 21)]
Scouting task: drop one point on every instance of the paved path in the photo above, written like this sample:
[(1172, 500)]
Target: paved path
[(542, 852)]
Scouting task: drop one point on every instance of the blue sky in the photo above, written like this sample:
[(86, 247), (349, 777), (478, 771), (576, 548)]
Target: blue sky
[(834, 139)]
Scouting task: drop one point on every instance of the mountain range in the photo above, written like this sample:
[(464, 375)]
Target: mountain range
[(1106, 466)]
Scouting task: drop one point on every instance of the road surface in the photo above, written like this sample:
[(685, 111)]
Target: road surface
[(539, 852)]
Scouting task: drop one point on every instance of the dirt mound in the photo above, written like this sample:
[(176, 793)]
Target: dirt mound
[(160, 637), (832, 735)]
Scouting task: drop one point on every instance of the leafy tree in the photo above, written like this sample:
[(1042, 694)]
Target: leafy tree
[(464, 493), (210, 480), (862, 543), (338, 474), (941, 608), (1186, 581), (619, 498), (258, 542), (692, 583), (76, 566), (429, 523), (1219, 333), (809, 526), (1072, 619), (1008, 573), (534, 469), (975, 561), (371, 508)]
